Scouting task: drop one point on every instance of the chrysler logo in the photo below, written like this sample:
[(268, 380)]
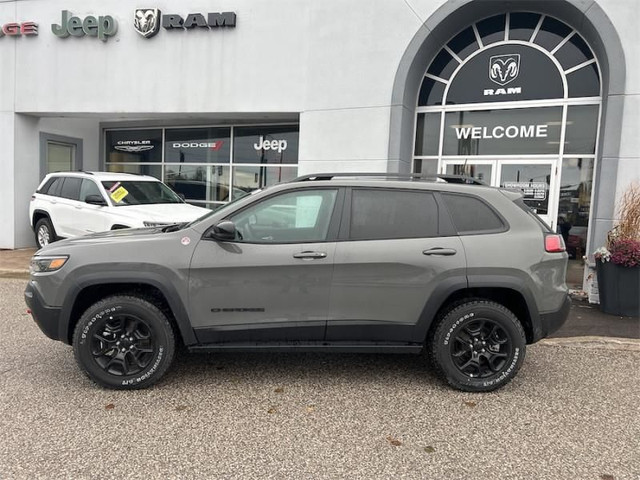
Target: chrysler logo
[(133, 146), (147, 21), (504, 68)]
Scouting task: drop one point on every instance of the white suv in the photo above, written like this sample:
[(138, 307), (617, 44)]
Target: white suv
[(69, 204)]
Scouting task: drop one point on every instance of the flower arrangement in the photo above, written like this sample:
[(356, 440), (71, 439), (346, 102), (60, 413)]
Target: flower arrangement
[(623, 241)]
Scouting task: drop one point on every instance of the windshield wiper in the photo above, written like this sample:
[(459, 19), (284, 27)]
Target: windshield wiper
[(174, 227)]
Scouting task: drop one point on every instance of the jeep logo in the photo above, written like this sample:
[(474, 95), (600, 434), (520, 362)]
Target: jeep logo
[(101, 27), (278, 145)]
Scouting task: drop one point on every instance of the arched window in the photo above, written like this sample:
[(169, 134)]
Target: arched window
[(514, 100)]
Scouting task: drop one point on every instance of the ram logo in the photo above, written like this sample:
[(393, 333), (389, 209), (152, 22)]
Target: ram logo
[(504, 68), (147, 21)]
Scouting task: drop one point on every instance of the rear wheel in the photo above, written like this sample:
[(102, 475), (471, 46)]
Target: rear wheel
[(124, 342), (478, 346), (45, 233)]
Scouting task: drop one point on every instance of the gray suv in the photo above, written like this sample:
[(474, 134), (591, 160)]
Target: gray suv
[(332, 262)]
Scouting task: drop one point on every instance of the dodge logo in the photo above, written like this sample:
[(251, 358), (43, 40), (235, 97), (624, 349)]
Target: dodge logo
[(504, 68), (147, 21)]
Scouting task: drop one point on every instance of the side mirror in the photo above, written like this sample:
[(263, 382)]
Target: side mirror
[(95, 200), (225, 230)]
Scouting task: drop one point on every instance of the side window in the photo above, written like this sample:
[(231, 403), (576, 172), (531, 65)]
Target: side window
[(53, 186), (295, 217), (46, 186), (71, 188), (472, 215), (386, 214), (89, 187)]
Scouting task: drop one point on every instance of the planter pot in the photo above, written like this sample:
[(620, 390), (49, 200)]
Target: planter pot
[(619, 289)]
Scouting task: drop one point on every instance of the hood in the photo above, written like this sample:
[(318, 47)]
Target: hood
[(163, 212)]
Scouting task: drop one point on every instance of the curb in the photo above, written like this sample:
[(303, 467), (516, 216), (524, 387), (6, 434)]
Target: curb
[(15, 274), (607, 343)]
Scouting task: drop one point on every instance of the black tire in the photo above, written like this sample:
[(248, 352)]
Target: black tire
[(44, 232), (124, 342), (457, 351)]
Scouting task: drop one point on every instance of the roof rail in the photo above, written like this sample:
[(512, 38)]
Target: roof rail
[(399, 176)]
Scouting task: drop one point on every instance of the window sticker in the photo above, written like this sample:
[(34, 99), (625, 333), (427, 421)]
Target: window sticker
[(118, 194)]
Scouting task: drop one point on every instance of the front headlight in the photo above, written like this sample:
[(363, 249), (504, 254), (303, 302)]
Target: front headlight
[(47, 264)]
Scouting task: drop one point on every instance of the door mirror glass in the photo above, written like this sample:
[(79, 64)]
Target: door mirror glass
[(225, 230), (95, 200)]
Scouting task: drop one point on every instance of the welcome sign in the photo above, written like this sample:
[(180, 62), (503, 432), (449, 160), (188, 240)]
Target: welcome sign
[(519, 131)]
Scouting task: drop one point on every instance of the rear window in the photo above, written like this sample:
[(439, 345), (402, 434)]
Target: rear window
[(520, 203), (472, 215), (52, 187), (387, 214)]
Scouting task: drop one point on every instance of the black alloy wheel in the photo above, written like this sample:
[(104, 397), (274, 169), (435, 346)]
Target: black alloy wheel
[(124, 346), (481, 348), (477, 345), (124, 342)]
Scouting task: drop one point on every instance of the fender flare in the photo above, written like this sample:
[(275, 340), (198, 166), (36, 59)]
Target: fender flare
[(452, 285), (153, 279)]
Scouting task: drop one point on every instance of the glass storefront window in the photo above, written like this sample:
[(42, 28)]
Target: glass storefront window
[(247, 179), (582, 125), (197, 145), (428, 134), (134, 146), (575, 203), (522, 25), (426, 167), (205, 183), (197, 163), (532, 180), (266, 145), (551, 33), (431, 92), (140, 169), (503, 132), (480, 172), (491, 29)]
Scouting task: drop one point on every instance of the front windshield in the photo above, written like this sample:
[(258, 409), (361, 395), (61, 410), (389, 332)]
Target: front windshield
[(136, 192), (222, 207)]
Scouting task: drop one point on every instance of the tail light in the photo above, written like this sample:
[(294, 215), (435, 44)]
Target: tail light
[(554, 243)]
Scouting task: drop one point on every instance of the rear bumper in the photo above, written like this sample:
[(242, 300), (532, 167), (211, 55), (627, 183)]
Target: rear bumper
[(552, 321), (46, 317)]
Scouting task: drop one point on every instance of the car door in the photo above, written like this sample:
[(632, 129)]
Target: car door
[(91, 218), (272, 282), (67, 223), (395, 248)]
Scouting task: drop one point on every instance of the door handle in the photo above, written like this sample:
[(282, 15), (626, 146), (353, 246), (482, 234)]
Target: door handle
[(79, 207), (310, 255), (440, 251)]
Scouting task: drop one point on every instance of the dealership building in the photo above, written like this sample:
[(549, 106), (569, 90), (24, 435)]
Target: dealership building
[(220, 98)]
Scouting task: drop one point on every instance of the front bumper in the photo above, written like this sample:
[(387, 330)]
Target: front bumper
[(552, 321), (46, 317)]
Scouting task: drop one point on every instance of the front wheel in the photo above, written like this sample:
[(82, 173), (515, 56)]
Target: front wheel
[(478, 346), (124, 342), (45, 233)]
